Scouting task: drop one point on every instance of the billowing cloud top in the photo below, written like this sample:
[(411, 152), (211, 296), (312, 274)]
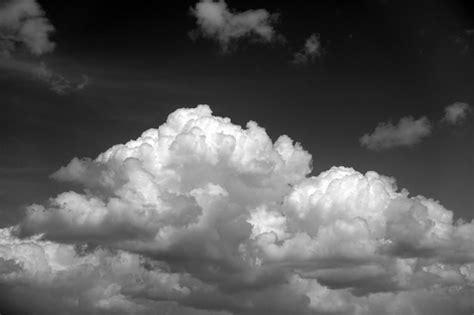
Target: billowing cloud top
[(22, 22), (217, 22), (407, 132), (456, 112), (201, 215)]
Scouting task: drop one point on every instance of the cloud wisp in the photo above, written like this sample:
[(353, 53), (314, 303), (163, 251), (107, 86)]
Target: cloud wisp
[(408, 132), (311, 50), (202, 216), (456, 113), (58, 83), (217, 22)]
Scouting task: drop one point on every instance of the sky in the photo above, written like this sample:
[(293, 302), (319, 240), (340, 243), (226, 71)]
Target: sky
[(349, 192)]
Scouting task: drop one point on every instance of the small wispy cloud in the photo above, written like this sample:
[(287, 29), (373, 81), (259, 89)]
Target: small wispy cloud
[(407, 132), (58, 83), (217, 22), (311, 50), (456, 113)]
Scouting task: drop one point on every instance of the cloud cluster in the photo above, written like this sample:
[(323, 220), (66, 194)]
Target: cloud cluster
[(216, 21), (456, 113), (202, 215), (310, 51), (407, 132), (23, 23)]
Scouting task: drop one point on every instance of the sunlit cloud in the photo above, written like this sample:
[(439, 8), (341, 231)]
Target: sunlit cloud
[(202, 215)]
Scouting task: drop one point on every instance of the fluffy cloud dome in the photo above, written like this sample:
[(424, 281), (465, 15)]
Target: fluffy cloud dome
[(223, 219)]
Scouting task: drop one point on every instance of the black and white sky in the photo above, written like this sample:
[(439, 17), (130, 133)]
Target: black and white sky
[(236, 157)]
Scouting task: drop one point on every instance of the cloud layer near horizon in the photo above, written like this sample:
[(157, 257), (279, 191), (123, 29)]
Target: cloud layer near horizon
[(201, 215)]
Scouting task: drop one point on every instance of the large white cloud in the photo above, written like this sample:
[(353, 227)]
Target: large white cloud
[(226, 220), (216, 21)]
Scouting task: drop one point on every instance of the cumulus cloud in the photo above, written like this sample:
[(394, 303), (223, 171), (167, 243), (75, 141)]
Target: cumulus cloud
[(202, 215), (310, 51), (216, 21), (456, 113), (407, 132), (23, 23)]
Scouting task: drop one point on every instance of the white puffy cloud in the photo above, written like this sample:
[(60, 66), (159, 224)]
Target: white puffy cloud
[(407, 132), (209, 216), (456, 112), (311, 50), (23, 22), (216, 21)]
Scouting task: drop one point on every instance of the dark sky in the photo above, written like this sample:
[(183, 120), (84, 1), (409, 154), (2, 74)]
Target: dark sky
[(382, 60)]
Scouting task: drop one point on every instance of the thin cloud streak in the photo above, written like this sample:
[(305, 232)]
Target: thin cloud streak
[(44, 74), (24, 25), (58, 83)]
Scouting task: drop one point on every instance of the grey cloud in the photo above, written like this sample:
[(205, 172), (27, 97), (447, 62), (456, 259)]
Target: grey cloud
[(311, 50), (39, 71), (407, 132), (456, 112), (23, 23), (58, 83), (216, 21)]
